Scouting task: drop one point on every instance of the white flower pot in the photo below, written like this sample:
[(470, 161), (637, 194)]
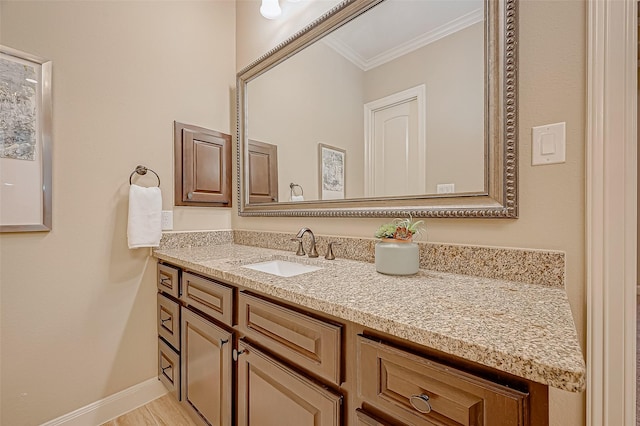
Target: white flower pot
[(396, 257)]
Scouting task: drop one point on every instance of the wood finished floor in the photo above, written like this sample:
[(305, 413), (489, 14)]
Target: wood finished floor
[(164, 411)]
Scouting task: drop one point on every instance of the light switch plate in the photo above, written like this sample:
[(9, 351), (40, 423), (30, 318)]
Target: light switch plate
[(167, 220), (549, 144)]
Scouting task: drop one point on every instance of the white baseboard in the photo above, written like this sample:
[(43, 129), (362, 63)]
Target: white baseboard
[(112, 406)]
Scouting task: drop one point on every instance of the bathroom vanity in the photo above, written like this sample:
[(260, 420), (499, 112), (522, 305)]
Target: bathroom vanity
[(344, 345)]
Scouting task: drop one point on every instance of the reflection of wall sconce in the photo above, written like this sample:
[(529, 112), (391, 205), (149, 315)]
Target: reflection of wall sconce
[(270, 9)]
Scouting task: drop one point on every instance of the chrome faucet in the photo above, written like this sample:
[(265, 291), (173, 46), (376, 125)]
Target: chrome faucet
[(312, 251)]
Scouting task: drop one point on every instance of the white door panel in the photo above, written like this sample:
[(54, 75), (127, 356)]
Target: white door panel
[(395, 155)]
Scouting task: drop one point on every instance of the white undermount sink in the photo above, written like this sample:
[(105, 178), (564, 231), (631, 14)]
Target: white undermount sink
[(282, 268)]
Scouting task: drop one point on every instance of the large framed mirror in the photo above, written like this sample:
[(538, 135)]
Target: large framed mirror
[(384, 108)]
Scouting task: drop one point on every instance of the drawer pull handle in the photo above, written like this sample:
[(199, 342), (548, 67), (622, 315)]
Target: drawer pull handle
[(237, 353), (421, 403), (223, 341)]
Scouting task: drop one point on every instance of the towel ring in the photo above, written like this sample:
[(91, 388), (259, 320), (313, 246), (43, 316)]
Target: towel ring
[(293, 185), (142, 170)]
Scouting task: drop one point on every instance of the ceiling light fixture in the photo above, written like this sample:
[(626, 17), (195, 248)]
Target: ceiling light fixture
[(270, 9)]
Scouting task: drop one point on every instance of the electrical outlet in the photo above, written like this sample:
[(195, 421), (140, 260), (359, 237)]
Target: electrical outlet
[(446, 188), (167, 220)]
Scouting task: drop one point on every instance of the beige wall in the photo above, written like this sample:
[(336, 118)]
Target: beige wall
[(256, 35), (551, 89), (318, 96), (296, 107), (77, 323), (452, 70), (78, 307)]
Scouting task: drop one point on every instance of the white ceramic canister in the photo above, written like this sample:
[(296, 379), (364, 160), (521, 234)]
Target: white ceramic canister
[(395, 257)]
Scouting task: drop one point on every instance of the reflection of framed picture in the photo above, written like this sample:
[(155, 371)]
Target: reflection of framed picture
[(332, 163), (25, 142)]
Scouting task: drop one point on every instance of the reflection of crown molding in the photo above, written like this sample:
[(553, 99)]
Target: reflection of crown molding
[(422, 40)]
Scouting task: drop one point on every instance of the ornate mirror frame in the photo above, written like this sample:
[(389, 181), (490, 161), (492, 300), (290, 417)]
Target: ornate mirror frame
[(501, 128)]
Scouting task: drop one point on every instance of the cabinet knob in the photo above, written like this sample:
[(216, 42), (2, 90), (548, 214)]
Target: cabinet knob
[(237, 353), (421, 403), (162, 321), (190, 195), (223, 341), (165, 368)]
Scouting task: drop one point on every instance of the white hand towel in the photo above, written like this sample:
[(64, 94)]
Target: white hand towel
[(145, 217), (297, 198)]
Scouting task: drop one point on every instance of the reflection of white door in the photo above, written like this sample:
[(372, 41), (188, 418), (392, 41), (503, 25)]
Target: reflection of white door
[(395, 151)]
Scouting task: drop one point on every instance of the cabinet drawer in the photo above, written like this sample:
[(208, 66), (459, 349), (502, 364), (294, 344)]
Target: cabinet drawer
[(308, 342), (169, 280), (365, 419), (420, 392), (169, 321), (169, 368), (211, 297)]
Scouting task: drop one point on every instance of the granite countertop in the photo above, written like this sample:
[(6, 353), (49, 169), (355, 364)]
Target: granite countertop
[(523, 329)]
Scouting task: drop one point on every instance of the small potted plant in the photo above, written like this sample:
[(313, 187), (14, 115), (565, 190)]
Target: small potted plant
[(396, 253), (401, 230)]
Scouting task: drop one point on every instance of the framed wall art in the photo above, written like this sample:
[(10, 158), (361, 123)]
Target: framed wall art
[(25, 142), (332, 162)]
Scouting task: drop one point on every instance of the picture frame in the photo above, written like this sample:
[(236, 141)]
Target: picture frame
[(332, 163), (25, 142)]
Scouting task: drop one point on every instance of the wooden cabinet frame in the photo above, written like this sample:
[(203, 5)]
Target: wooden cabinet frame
[(202, 167), (269, 334)]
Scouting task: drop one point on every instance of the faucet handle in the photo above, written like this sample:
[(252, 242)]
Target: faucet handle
[(300, 251), (330, 255)]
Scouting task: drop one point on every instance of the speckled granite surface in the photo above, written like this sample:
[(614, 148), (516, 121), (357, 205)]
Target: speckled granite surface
[(521, 265), (523, 329), (195, 238)]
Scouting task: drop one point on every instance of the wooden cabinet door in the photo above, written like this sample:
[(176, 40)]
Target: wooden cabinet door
[(206, 370), (272, 394), (203, 167), (263, 172)]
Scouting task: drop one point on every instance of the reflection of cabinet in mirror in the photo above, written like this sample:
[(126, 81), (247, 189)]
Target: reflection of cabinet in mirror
[(202, 166), (263, 172)]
